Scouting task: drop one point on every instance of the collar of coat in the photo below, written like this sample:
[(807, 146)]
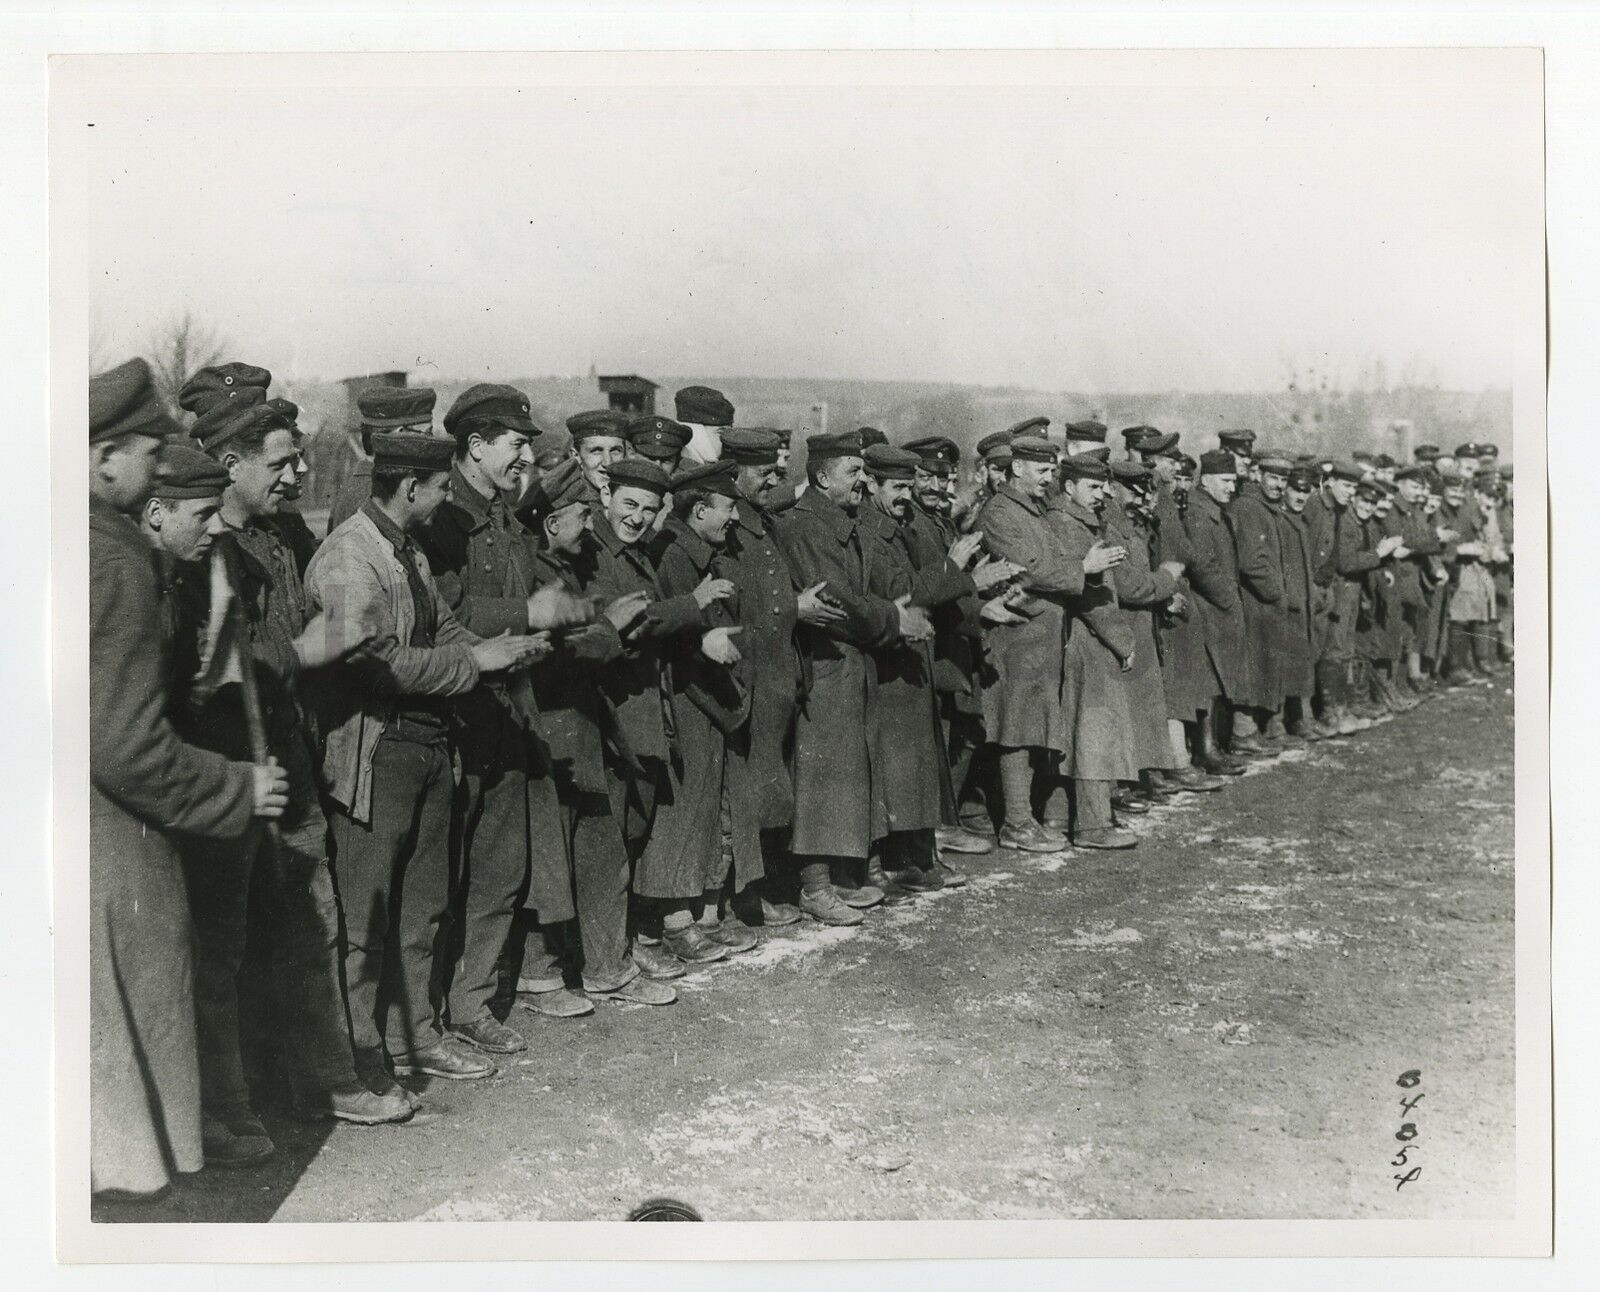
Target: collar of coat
[(699, 552), (1034, 506), (606, 538), (876, 522), (751, 517), (1085, 516), (466, 503), (119, 525), (813, 502), (1203, 503)]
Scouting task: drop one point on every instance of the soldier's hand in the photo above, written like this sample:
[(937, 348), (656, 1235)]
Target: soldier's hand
[(815, 610), (552, 606), (966, 547), (717, 645), (627, 609), (1446, 534), (1179, 605), (1127, 664), (541, 645), (1401, 551), (271, 789), (1387, 545), (1174, 568), (1103, 556), (712, 590), (499, 654), (915, 626), (327, 639), (992, 570), (997, 610)]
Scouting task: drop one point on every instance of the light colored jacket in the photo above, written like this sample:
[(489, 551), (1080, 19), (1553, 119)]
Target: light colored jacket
[(355, 575)]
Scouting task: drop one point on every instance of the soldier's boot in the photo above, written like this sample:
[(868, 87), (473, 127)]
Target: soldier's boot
[(897, 890), (820, 901), (1279, 731)]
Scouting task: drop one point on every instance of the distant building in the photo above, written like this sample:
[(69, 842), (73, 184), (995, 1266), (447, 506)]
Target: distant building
[(629, 394)]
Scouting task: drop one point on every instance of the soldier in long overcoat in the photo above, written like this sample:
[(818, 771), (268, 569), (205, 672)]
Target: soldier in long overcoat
[(770, 609), (833, 789), (1022, 706), (586, 744), (1097, 657), (1258, 550), (704, 834), (1214, 576), (145, 785), (1144, 588), (910, 775), (1299, 599)]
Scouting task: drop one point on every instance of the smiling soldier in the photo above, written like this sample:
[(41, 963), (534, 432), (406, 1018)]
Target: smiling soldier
[(483, 561)]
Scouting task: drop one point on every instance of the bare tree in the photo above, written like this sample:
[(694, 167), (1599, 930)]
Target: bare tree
[(181, 347)]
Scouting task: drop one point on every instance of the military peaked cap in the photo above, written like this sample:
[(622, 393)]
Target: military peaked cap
[(489, 405), (885, 462), (637, 473), (839, 444), (598, 422), (124, 401), (657, 437), (703, 406), (752, 446), (412, 451), (708, 477), (386, 408), (188, 473)]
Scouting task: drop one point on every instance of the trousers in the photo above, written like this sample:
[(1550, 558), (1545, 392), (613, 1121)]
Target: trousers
[(283, 892), (394, 885)]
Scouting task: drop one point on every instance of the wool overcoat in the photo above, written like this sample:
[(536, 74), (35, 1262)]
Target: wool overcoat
[(908, 769), (1187, 678), (711, 703), (1258, 550), (1142, 590), (833, 789), (1300, 591), (759, 754), (1094, 691), (1214, 577), (145, 785), (1022, 707)]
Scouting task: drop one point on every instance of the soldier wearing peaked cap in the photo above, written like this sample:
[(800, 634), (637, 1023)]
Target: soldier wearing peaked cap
[(1144, 588), (834, 790), (1086, 436), (599, 439), (660, 439), (146, 784), (1098, 653), (640, 690), (382, 409), (389, 756), (912, 782), (1258, 554), (705, 842), (705, 412), (1214, 576), (1023, 712), (272, 888), (770, 606), (942, 552), (591, 952), (1301, 597), (483, 560)]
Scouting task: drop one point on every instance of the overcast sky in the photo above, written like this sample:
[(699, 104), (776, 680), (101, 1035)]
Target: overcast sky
[(1117, 236)]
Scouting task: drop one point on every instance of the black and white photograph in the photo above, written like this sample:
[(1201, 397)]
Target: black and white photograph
[(773, 639)]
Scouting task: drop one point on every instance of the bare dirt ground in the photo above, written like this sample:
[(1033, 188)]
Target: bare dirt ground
[(1212, 1025)]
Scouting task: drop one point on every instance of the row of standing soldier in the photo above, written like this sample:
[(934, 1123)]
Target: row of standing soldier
[(557, 740)]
